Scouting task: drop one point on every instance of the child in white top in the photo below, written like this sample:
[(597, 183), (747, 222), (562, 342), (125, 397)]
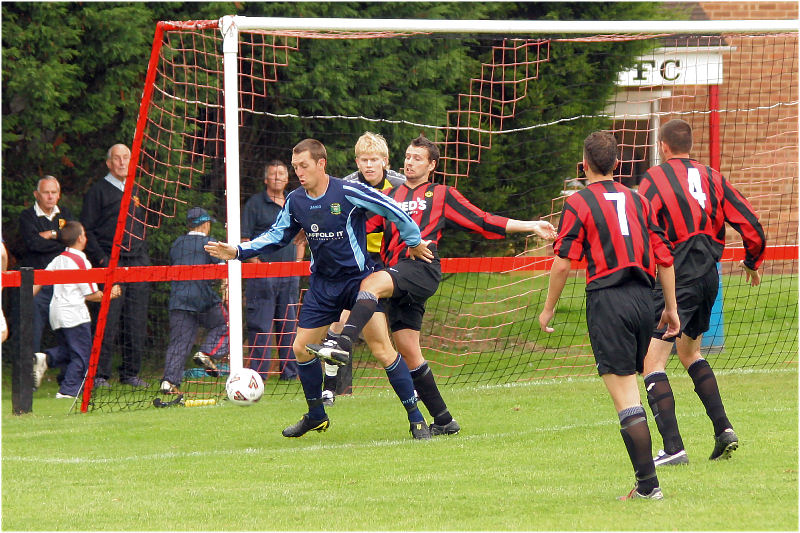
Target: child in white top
[(69, 316)]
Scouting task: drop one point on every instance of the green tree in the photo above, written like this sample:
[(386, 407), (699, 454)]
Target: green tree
[(73, 75), (72, 80)]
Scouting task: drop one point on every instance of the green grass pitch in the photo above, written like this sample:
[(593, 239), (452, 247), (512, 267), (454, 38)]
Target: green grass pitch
[(545, 455)]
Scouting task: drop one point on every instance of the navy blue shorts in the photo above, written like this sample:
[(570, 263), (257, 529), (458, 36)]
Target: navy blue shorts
[(325, 299)]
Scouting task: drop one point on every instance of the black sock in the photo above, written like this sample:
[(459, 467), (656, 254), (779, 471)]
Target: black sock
[(705, 385), (662, 403), (360, 314), (428, 392), (636, 436)]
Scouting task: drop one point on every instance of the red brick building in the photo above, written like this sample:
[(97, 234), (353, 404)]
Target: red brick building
[(740, 93)]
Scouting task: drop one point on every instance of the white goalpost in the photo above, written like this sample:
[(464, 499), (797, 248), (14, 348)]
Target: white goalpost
[(230, 49)]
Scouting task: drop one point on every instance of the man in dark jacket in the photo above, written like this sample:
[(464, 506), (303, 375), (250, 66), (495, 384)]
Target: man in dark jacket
[(272, 302), (39, 227), (194, 303), (101, 207)]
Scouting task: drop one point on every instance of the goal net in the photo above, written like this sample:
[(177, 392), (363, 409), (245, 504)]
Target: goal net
[(509, 113)]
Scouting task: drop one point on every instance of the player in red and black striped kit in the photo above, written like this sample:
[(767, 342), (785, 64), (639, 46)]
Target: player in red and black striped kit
[(692, 202), (435, 207), (614, 229), (408, 283)]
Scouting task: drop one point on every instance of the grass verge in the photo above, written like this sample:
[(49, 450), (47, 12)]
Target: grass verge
[(536, 456)]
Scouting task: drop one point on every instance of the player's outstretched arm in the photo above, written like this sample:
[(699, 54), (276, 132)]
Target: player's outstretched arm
[(221, 250), (542, 228), (558, 278), (752, 276), (421, 251)]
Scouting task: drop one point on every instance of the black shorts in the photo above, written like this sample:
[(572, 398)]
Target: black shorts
[(694, 304), (414, 282), (619, 321)]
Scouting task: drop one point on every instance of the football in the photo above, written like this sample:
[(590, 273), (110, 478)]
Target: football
[(244, 387)]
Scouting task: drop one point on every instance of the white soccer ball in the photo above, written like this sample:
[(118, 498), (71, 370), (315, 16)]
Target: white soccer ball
[(244, 387)]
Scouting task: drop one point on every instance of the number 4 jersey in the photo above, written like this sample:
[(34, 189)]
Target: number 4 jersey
[(692, 202), (614, 229)]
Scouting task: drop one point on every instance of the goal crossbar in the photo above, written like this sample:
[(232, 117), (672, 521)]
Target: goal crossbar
[(512, 26)]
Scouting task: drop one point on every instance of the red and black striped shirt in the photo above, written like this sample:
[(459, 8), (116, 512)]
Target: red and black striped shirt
[(692, 202), (614, 228), (435, 207)]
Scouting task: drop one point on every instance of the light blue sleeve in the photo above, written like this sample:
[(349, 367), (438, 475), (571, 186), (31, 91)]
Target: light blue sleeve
[(380, 204), (277, 236)]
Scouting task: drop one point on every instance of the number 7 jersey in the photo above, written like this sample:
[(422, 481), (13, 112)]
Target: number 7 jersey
[(692, 202), (614, 229)]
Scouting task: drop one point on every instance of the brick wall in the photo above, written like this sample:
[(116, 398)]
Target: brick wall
[(759, 131), (750, 10)]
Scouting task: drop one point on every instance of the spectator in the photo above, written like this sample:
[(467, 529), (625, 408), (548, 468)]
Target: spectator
[(69, 316), (271, 302), (39, 227), (193, 303), (101, 207)]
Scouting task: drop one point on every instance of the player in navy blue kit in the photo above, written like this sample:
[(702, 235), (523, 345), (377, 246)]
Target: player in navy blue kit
[(333, 215)]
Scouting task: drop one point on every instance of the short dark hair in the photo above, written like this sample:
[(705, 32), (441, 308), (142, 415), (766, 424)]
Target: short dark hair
[(275, 163), (600, 151), (316, 148), (424, 142), (69, 234), (677, 134)]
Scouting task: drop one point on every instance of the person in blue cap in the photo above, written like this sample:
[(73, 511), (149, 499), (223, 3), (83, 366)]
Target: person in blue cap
[(194, 303)]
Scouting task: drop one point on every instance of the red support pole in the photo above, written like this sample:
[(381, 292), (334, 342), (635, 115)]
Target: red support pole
[(715, 336), (152, 68), (713, 125)]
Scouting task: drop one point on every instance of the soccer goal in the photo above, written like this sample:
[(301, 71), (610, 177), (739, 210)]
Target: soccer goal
[(509, 104)]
